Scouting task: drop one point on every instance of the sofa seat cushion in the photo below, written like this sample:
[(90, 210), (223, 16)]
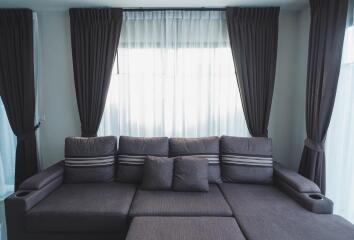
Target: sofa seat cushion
[(170, 203), (177, 228), (263, 212), (91, 207)]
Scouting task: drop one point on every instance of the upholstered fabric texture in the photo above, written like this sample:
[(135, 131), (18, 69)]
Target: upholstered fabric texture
[(44, 177), (265, 213), (171, 203), (90, 159), (246, 160), (158, 173), (184, 228), (132, 153), (190, 174), (294, 180), (207, 147), (89, 207)]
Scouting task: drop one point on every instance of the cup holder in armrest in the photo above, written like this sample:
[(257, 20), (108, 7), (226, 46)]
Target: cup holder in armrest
[(316, 196), (22, 194)]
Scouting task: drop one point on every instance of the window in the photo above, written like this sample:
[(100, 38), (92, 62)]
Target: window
[(176, 77), (340, 136), (7, 163), (7, 154)]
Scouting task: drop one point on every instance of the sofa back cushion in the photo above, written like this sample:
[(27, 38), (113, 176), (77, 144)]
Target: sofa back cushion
[(246, 160), (132, 152), (206, 147), (90, 159)]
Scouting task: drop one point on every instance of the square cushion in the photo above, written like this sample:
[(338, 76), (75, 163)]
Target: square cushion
[(132, 153), (170, 203), (190, 174), (158, 173), (246, 160), (177, 228), (82, 208), (90, 159), (265, 213), (207, 147)]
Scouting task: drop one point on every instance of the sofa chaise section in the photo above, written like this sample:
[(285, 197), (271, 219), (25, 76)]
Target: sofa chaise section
[(46, 208), (171, 203), (90, 207), (263, 212)]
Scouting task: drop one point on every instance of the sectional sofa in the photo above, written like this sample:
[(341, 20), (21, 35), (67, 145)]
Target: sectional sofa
[(96, 193)]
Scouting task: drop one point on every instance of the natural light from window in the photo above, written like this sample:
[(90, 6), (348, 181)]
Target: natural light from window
[(340, 137), (176, 78), (186, 92)]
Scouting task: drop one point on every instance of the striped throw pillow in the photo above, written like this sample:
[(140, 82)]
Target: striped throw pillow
[(246, 160)]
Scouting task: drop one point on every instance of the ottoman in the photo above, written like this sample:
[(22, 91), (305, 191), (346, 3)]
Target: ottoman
[(184, 228)]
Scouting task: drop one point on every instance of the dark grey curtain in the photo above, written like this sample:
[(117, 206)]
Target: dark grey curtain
[(94, 39), (253, 36), (328, 21), (17, 86)]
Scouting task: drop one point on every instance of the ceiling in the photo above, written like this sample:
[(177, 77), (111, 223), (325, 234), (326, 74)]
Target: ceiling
[(58, 5)]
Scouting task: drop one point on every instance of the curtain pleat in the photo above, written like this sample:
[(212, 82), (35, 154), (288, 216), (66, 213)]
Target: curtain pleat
[(17, 86), (253, 36), (94, 39), (328, 21)]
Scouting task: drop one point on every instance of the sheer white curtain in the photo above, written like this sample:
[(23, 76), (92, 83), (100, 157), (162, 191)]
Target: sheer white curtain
[(7, 164), (176, 77), (340, 136), (7, 154)]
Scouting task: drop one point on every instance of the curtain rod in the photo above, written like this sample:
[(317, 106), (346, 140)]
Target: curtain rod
[(171, 9)]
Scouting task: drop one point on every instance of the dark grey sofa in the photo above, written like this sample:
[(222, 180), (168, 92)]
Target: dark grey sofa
[(291, 207)]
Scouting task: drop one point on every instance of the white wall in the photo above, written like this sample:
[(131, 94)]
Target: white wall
[(287, 120), (57, 91), (58, 102)]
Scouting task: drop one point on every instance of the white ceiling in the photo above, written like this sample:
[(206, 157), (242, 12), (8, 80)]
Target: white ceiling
[(56, 5)]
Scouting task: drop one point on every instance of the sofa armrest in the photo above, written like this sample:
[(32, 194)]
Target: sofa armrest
[(294, 180), (302, 190), (44, 177), (31, 192)]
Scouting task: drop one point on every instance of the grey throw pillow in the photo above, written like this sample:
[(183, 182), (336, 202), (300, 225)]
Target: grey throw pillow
[(190, 174), (158, 173)]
